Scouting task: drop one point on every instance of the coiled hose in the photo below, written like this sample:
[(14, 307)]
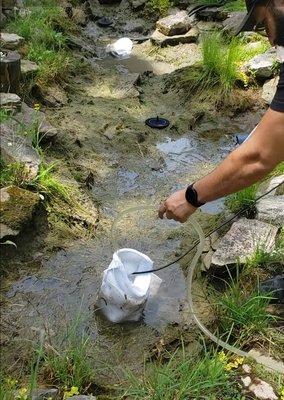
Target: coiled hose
[(263, 360)]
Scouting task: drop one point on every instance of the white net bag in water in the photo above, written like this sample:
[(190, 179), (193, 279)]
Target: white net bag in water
[(123, 296)]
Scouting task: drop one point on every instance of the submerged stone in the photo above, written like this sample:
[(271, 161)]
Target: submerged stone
[(242, 240), (17, 207)]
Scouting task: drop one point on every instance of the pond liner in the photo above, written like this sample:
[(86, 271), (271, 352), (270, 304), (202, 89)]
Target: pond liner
[(157, 123)]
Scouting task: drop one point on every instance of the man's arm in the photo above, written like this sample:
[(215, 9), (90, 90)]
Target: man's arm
[(246, 165)]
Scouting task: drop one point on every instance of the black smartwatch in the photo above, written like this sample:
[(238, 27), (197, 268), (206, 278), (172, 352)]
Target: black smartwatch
[(191, 196)]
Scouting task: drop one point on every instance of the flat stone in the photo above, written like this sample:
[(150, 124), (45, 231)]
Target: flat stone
[(262, 66), (246, 381), (213, 14), (54, 96), (10, 41), (175, 24), (271, 209), (44, 393), (10, 101), (273, 183), (262, 390), (190, 37), (16, 148), (269, 89), (28, 68), (233, 22), (17, 207), (242, 240)]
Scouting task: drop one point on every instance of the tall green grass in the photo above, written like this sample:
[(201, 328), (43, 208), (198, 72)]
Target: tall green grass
[(184, 379), (243, 199), (45, 31)]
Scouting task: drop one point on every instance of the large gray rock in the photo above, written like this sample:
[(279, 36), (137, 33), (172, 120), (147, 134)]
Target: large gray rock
[(242, 240), (213, 14), (16, 209), (10, 41), (16, 148), (10, 101), (262, 66), (160, 39), (44, 393), (271, 209), (29, 117), (233, 22), (28, 68), (269, 89), (175, 24)]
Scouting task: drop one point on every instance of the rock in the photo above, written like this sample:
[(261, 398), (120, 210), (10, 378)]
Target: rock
[(8, 4), (175, 24), (138, 5), (53, 96), (10, 41), (3, 20), (262, 66), (271, 209), (190, 37), (206, 260), (269, 89), (27, 117), (205, 26), (18, 149), (6, 231), (246, 381), (242, 240), (213, 14), (10, 101), (262, 390), (28, 68), (83, 397), (273, 183), (233, 22), (44, 393), (246, 368), (17, 207), (270, 363)]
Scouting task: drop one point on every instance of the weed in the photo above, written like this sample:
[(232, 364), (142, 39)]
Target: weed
[(243, 199), (12, 174), (160, 6), (188, 378), (46, 183), (68, 364), (243, 315), (263, 258), (4, 115)]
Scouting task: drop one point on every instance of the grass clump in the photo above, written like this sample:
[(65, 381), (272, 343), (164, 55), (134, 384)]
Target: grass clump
[(45, 30), (243, 199), (243, 315), (160, 6), (185, 379), (12, 174)]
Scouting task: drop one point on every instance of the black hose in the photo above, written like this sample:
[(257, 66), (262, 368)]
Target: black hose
[(242, 210)]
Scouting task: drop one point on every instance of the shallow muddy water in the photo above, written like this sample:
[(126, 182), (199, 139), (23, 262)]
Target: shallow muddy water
[(132, 166)]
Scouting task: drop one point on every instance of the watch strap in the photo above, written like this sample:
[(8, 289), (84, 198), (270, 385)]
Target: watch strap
[(191, 196)]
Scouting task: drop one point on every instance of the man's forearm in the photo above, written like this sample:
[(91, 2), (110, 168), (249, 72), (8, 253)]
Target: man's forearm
[(250, 162)]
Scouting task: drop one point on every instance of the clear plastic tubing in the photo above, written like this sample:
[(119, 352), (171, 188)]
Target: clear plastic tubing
[(263, 360)]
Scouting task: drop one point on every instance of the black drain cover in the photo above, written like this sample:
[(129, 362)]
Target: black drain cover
[(157, 123), (104, 22)]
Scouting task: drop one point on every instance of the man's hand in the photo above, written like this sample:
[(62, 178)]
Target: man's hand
[(176, 207)]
